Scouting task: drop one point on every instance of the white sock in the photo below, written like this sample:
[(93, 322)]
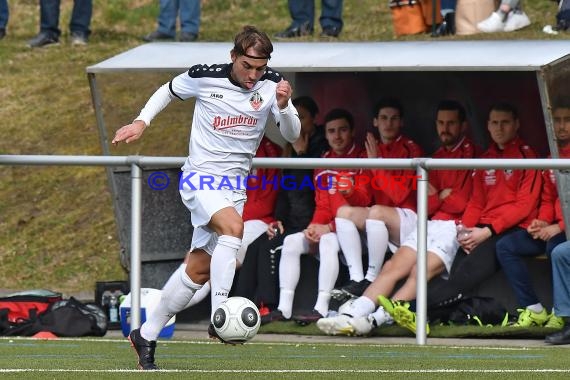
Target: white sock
[(328, 271), (349, 240), (361, 307), (290, 269), (537, 307), (382, 317), (176, 294), (200, 295), (223, 268), (377, 241)]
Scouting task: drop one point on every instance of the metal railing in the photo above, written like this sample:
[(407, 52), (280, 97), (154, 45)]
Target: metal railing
[(422, 166)]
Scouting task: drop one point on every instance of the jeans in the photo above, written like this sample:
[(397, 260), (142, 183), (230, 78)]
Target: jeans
[(448, 5), (511, 251), (303, 12), (4, 14), (189, 16), (561, 279), (80, 17)]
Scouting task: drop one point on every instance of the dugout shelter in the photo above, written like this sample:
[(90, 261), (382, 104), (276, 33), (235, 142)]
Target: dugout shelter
[(532, 75)]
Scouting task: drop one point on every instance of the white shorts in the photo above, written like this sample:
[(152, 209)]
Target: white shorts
[(203, 203), (441, 240), (408, 224)]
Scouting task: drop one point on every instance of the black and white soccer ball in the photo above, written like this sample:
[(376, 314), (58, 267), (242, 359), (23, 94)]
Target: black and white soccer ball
[(236, 320)]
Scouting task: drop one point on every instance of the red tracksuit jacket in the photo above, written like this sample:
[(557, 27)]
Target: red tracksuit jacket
[(327, 200), (502, 199), (550, 209), (403, 195), (460, 181)]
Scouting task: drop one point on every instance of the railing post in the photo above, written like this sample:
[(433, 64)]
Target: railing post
[(421, 296), (135, 275)]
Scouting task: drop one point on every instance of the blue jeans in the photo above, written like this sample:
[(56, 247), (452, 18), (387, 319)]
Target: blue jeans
[(448, 5), (80, 17), (511, 251), (4, 14), (303, 12), (189, 16), (561, 279)]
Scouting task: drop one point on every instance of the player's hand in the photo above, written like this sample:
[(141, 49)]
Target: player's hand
[(475, 237), (371, 145), (129, 132), (283, 93), (535, 227), (548, 232)]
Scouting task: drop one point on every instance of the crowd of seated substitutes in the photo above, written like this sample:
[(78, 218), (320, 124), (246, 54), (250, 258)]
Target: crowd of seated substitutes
[(480, 222)]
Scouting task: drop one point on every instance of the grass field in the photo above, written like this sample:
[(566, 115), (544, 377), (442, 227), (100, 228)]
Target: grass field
[(113, 358)]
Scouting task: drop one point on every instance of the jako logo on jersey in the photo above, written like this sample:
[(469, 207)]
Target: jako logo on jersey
[(217, 96), (256, 100), (233, 121)]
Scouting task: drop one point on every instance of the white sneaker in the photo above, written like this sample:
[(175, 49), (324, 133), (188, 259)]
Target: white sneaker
[(516, 20), (345, 307), (339, 325), (492, 24), (363, 325)]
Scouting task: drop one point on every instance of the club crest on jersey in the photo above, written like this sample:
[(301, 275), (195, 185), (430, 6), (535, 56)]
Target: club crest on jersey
[(256, 101), (490, 177)]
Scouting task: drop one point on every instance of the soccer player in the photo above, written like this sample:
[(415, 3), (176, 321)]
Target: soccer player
[(393, 215), (319, 237), (501, 203), (233, 102), (448, 192), (542, 235)]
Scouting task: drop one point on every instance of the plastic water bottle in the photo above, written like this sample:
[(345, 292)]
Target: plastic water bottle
[(462, 231), (113, 310)]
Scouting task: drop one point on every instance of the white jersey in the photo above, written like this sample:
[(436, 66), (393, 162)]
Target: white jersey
[(229, 121)]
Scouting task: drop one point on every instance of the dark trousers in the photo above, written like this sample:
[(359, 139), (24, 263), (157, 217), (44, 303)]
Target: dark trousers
[(303, 12), (467, 272), (80, 17), (511, 251)]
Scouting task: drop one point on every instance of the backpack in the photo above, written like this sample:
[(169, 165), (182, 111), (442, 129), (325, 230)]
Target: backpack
[(20, 306), (65, 318), (481, 311)]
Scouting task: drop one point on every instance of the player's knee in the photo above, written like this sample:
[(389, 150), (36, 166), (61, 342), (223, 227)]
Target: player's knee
[(345, 212), (292, 244), (377, 212), (233, 228)]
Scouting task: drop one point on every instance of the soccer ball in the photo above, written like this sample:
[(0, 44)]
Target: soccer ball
[(236, 320)]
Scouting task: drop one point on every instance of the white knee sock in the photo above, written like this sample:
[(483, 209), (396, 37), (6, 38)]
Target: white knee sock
[(361, 307), (349, 240), (290, 269), (223, 268), (176, 294), (200, 295), (377, 240), (328, 271)]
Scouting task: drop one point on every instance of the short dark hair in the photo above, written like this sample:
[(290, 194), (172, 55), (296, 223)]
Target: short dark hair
[(251, 37), (505, 107), (388, 103), (339, 113), (307, 103), (452, 105), (561, 102)]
